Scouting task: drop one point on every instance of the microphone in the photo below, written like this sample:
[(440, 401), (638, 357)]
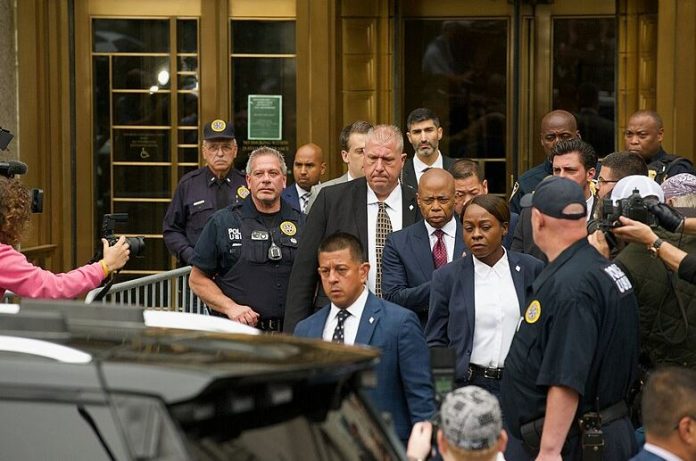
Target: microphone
[(10, 168)]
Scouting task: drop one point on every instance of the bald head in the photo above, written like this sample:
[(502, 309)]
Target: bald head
[(308, 166), (557, 125), (436, 197)]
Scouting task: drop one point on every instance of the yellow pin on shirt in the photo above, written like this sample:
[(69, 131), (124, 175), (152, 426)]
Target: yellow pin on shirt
[(533, 312)]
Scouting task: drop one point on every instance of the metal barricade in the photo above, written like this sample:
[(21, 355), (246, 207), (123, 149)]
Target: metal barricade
[(167, 291)]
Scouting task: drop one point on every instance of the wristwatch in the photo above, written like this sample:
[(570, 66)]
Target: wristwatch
[(655, 247)]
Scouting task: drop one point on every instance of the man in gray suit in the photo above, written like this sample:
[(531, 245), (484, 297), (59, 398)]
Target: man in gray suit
[(352, 142)]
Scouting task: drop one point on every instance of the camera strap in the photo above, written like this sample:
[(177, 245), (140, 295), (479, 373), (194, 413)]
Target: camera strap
[(105, 289)]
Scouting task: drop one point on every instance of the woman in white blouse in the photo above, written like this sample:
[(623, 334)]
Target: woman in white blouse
[(477, 300)]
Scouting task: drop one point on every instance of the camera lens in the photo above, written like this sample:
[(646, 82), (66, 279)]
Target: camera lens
[(137, 246)]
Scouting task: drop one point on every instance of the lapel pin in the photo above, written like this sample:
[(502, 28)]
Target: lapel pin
[(410, 207), (517, 268), (372, 319)]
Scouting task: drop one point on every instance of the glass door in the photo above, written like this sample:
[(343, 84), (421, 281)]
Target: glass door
[(492, 69)]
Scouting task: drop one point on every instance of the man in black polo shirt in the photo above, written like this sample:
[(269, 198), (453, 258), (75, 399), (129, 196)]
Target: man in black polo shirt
[(576, 348), (242, 261)]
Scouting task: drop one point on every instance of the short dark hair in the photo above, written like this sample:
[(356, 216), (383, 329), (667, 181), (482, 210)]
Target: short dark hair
[(421, 115), (588, 156), (669, 394), (466, 167), (624, 164), (495, 205), (648, 113), (340, 241), (360, 126)]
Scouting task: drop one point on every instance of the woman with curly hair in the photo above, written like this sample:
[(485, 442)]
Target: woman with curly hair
[(26, 280)]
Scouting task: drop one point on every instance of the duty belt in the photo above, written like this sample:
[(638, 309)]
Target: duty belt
[(488, 373), (274, 324), (531, 431)]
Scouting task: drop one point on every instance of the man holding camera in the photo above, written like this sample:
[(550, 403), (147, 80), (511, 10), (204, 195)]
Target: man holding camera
[(666, 301), (575, 352), (242, 261)]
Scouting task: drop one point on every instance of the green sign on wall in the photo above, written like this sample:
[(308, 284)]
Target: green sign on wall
[(265, 117)]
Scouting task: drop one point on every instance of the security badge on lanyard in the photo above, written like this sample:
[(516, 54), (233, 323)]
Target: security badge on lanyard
[(274, 253)]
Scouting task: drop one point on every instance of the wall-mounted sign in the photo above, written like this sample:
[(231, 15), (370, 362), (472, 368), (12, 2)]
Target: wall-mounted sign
[(265, 117)]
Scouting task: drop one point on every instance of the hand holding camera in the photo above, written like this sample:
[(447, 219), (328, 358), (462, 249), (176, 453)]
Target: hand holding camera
[(116, 255), (667, 217)]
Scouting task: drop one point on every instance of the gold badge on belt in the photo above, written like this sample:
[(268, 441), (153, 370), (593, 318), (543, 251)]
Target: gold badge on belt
[(533, 312), (288, 228)]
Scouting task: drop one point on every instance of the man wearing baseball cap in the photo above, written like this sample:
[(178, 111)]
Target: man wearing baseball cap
[(470, 428), (202, 192), (575, 353)]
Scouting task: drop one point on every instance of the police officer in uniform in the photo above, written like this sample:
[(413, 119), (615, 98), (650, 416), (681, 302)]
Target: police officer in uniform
[(203, 191), (243, 258), (575, 353)]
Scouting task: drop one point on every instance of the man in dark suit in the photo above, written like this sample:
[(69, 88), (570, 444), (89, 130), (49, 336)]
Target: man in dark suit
[(364, 207), (469, 182), (413, 253), (669, 415), (356, 316), (307, 169), (424, 133)]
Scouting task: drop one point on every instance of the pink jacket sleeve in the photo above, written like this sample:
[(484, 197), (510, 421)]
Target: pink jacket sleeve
[(28, 281)]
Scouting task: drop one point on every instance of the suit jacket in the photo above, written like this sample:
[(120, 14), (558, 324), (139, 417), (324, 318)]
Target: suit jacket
[(316, 188), (338, 208), (512, 225), (644, 455), (290, 195), (408, 174), (523, 240), (407, 267), (404, 381), (452, 304)]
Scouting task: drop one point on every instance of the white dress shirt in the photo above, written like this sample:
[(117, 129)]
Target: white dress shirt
[(590, 204), (496, 312), (655, 450), (450, 230), (351, 323), (420, 167), (395, 211)]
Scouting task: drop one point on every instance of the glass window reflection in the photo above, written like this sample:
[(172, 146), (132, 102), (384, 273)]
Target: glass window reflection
[(584, 69)]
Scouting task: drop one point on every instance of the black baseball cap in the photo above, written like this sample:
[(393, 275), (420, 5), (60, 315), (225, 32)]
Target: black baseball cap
[(553, 195), (218, 129)]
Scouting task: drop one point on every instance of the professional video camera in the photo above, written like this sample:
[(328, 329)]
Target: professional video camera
[(136, 244), (10, 168)]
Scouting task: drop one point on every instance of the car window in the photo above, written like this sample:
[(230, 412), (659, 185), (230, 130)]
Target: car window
[(58, 430), (347, 432)]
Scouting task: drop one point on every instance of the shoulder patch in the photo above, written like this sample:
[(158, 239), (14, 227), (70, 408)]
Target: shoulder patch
[(620, 279)]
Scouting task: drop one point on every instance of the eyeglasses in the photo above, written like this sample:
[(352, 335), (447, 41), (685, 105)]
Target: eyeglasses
[(226, 148), (601, 180)]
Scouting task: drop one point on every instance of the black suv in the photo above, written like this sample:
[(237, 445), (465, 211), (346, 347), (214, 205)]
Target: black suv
[(85, 382)]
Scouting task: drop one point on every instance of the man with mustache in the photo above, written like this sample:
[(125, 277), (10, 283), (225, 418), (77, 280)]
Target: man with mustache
[(424, 133), (369, 208)]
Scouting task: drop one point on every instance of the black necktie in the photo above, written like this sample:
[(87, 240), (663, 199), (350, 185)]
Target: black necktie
[(339, 332), (222, 195)]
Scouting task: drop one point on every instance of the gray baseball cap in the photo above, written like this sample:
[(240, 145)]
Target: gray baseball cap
[(471, 418)]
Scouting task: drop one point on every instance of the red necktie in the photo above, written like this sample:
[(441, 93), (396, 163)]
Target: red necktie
[(439, 249)]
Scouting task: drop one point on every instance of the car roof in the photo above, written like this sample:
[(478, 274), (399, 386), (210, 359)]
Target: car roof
[(126, 355)]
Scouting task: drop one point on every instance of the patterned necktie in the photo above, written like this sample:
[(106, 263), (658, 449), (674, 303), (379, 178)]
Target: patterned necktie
[(384, 228), (339, 331), (222, 195), (439, 249), (305, 201)]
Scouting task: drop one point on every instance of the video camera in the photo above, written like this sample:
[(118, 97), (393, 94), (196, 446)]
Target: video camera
[(10, 168), (136, 244)]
